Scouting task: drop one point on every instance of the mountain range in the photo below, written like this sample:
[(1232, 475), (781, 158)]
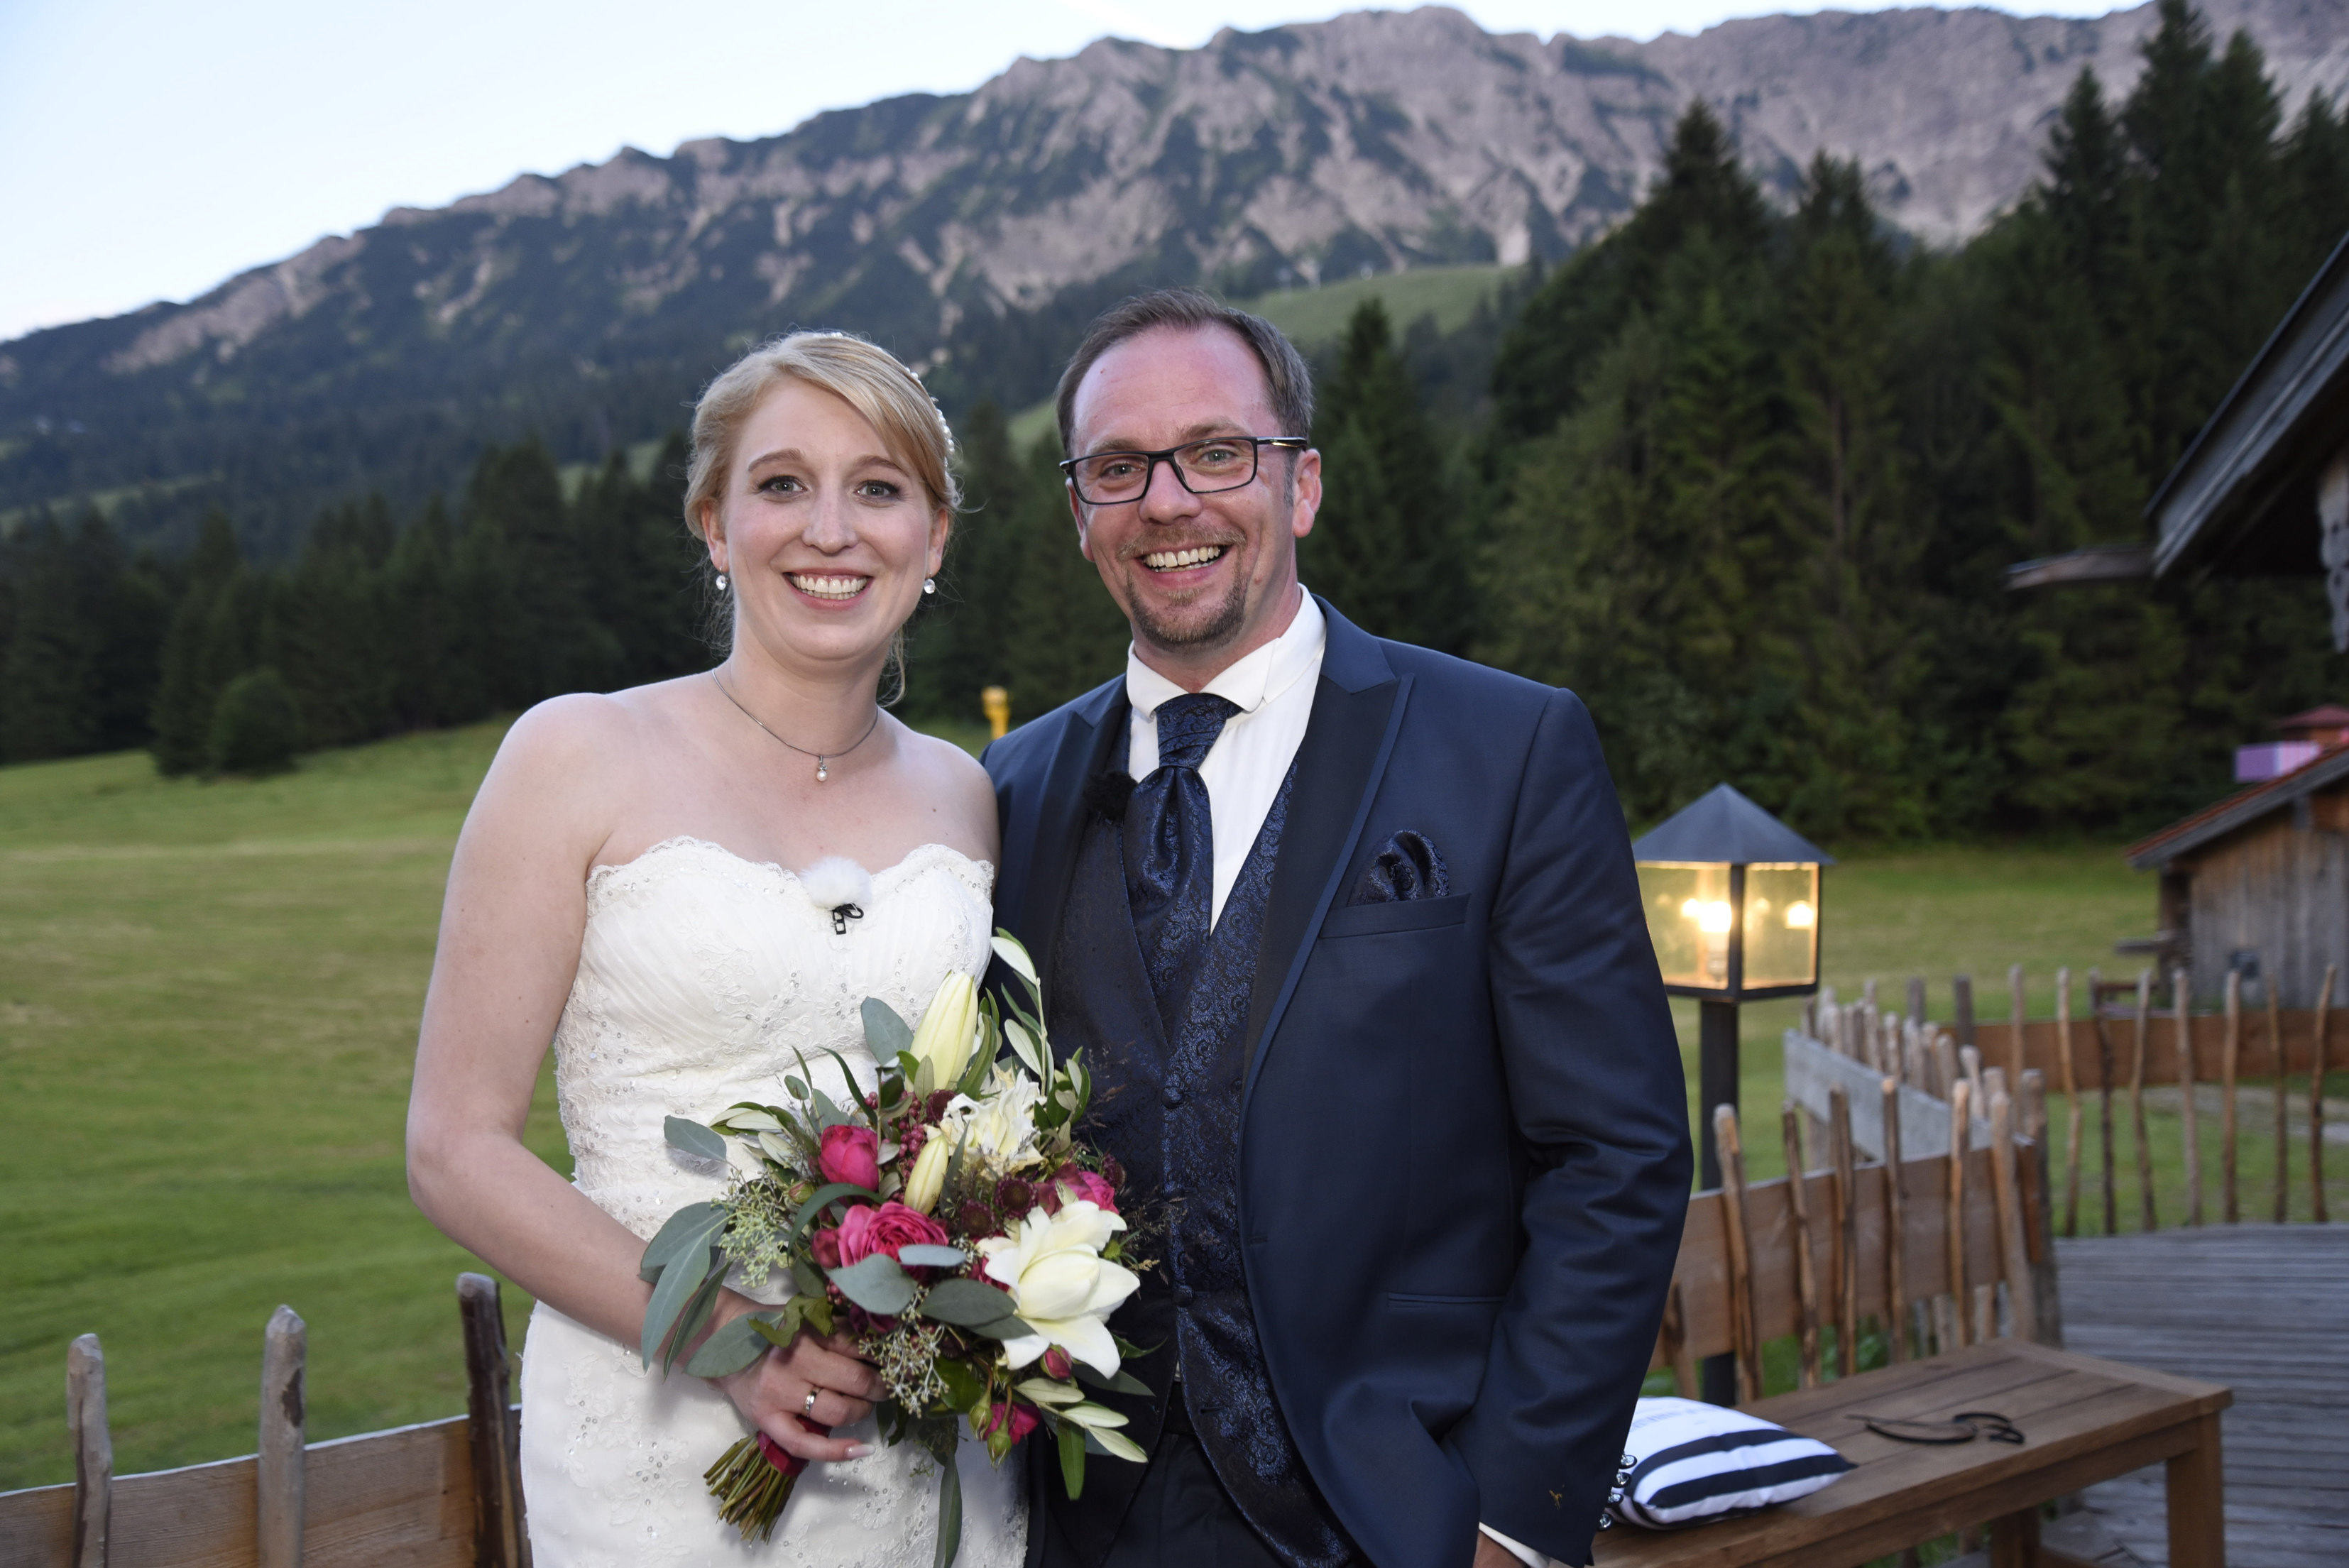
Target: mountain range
[(588, 306)]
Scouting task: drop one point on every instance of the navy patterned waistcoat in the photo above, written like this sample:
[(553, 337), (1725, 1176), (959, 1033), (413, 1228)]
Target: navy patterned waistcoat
[(1166, 1103)]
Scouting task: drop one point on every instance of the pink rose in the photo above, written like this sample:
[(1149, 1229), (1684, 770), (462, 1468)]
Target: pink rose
[(851, 1154), (1085, 1187), (824, 1245), (867, 1231), (1022, 1420)]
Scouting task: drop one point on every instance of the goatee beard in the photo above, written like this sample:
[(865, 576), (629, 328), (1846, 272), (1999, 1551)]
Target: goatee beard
[(1221, 627)]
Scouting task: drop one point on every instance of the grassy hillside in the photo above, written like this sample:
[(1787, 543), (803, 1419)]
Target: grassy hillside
[(208, 1000)]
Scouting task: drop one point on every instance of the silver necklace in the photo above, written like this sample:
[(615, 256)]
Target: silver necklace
[(822, 760)]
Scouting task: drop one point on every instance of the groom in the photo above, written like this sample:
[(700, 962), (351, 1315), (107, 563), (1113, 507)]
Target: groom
[(1349, 933)]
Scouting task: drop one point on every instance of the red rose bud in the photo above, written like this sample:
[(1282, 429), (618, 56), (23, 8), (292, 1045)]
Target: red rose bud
[(1112, 1172), (1020, 1417), (824, 1245), (864, 1231), (851, 1154), (1058, 1365)]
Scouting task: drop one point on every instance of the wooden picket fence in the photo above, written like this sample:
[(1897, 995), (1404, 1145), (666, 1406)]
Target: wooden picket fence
[(443, 1494), (2121, 1043)]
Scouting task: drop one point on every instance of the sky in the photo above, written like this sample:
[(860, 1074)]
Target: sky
[(155, 148)]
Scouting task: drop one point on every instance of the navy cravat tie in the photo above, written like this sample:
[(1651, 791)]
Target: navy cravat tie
[(1170, 847)]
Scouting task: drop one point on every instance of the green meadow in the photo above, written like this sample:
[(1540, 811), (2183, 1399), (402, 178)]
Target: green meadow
[(208, 1003)]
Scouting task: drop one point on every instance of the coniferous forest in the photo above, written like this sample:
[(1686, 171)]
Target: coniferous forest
[(1746, 474)]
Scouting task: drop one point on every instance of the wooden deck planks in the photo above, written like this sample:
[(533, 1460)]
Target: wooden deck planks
[(2264, 1309)]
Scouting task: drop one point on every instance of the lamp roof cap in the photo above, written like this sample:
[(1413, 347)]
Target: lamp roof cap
[(1723, 825)]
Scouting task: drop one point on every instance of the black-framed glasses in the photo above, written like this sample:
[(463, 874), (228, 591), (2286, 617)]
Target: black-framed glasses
[(1203, 468)]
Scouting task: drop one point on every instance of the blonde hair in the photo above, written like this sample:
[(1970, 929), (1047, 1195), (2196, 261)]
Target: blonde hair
[(867, 378)]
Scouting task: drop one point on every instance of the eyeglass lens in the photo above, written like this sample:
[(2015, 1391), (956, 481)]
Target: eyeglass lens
[(1204, 467)]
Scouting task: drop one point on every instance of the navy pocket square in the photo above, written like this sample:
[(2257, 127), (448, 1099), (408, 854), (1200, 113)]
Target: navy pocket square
[(1408, 866)]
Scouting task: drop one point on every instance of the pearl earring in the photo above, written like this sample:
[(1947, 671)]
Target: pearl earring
[(929, 584), (722, 583)]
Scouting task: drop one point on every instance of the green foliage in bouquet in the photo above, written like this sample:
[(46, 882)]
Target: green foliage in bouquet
[(948, 1221)]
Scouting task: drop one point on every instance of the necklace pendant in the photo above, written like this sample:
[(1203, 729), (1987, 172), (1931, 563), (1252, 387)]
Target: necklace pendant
[(823, 770)]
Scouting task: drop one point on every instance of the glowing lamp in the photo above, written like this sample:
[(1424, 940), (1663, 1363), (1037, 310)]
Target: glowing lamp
[(1733, 901)]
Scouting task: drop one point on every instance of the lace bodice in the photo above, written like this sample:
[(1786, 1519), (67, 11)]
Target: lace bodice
[(705, 977)]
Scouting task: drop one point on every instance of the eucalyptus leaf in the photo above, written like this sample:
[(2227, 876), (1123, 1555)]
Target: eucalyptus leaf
[(885, 1034), (877, 1285), (697, 1314), (967, 1303), (735, 1346), (1072, 1460), (694, 1138), (921, 1254), (798, 1085), (1123, 1383), (753, 1119), (822, 1198), (679, 1279), (807, 1278), (695, 1226)]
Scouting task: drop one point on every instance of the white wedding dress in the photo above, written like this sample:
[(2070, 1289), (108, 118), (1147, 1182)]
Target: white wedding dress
[(700, 975)]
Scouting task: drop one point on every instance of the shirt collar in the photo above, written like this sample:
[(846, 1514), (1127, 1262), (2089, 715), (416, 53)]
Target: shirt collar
[(1249, 682)]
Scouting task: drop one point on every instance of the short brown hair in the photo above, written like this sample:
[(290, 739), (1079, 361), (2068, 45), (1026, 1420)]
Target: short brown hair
[(1287, 379), (867, 377)]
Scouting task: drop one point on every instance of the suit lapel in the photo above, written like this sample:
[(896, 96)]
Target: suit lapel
[(1089, 743), (1358, 706)]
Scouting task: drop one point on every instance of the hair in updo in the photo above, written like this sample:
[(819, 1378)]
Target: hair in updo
[(867, 378)]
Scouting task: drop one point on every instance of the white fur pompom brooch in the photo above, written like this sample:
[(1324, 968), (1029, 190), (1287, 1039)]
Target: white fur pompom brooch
[(840, 887)]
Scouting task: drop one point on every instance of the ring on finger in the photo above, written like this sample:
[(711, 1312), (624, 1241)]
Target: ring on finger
[(807, 1405)]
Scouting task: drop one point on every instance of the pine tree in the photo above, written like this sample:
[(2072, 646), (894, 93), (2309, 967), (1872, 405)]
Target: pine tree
[(961, 636), (1065, 633), (48, 665), (1385, 547), (184, 694)]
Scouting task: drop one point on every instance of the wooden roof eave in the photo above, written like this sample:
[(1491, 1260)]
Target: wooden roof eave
[(2239, 810), (2246, 455)]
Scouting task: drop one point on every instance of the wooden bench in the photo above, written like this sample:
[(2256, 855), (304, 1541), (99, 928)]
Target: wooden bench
[(1758, 1260)]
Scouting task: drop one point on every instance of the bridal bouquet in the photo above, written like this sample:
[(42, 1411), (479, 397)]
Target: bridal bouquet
[(948, 1221)]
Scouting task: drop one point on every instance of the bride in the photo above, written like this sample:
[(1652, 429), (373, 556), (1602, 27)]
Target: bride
[(685, 887)]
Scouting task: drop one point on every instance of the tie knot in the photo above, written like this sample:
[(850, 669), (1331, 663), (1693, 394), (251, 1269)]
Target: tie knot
[(1187, 726)]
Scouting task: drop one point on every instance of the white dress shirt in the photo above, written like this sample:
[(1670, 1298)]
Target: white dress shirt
[(1273, 689)]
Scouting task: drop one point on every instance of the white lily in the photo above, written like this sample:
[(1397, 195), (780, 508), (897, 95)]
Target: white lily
[(1060, 1286), (998, 1128)]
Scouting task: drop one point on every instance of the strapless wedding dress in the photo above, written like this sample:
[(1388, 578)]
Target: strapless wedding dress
[(701, 977)]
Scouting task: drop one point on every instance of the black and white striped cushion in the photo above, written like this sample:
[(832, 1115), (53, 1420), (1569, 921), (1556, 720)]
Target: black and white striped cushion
[(1690, 1463)]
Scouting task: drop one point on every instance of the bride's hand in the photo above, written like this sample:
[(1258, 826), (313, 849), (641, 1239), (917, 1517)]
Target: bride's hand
[(774, 1393)]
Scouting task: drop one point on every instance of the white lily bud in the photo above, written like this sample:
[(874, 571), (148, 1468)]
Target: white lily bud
[(928, 1177), (945, 1037)]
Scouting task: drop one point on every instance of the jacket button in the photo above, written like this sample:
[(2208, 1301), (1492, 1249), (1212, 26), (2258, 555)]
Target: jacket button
[(1183, 1296), (1171, 1096)]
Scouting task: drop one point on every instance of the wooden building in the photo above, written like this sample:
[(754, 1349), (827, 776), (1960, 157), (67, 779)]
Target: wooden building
[(2264, 489), (2261, 878)]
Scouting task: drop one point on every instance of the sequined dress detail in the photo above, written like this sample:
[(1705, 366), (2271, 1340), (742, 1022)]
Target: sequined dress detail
[(703, 977)]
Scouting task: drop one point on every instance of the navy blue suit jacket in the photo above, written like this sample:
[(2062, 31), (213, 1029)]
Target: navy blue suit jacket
[(1464, 1150)]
